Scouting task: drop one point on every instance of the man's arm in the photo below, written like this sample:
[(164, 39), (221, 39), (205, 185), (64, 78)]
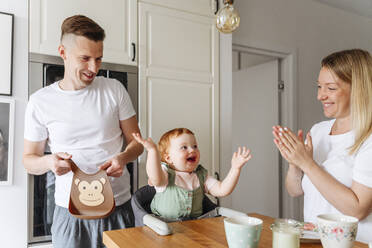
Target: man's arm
[(133, 149), (115, 166), (35, 162)]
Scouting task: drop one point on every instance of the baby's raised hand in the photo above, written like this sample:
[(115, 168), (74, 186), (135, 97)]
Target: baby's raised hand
[(240, 157), (147, 143)]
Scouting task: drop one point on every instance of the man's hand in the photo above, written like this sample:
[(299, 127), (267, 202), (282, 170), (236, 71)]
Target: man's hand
[(115, 166), (59, 163)]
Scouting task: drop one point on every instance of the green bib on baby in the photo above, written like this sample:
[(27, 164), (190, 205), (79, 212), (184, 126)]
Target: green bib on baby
[(176, 202)]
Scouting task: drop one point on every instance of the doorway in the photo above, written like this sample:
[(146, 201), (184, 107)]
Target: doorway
[(262, 96)]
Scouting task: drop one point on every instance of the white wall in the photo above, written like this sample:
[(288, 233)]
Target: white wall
[(225, 108), (247, 60), (13, 203), (312, 29)]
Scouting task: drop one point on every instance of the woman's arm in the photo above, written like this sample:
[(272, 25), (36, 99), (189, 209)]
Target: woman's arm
[(355, 201), (153, 167), (225, 187), (293, 181)]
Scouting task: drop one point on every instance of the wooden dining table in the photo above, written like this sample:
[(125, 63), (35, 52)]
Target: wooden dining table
[(208, 232)]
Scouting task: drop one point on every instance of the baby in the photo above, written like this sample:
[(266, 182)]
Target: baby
[(179, 180)]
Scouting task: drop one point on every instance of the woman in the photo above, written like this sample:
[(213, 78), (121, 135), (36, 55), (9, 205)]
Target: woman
[(333, 170)]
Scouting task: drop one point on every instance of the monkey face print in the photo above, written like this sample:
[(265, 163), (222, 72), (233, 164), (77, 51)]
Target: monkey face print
[(91, 195)]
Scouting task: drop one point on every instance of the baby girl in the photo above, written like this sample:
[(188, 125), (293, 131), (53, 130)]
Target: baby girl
[(180, 181)]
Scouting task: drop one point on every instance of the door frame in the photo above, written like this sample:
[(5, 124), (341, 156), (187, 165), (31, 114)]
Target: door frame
[(289, 207), (288, 76)]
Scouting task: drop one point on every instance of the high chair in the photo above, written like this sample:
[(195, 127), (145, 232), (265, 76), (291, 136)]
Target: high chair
[(141, 201)]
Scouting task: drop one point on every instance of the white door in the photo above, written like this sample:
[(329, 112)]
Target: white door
[(255, 111), (178, 77)]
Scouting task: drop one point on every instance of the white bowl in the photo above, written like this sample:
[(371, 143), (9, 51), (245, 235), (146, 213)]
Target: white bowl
[(337, 230)]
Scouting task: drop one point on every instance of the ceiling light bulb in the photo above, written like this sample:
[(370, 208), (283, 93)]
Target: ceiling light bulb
[(227, 18)]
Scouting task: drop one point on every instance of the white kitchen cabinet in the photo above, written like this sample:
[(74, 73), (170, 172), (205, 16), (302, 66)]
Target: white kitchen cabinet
[(179, 74), (117, 17)]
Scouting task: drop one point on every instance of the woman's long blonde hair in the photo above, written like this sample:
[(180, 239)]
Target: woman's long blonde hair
[(355, 67)]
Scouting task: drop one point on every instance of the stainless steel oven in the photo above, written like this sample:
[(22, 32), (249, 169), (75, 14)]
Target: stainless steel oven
[(43, 71)]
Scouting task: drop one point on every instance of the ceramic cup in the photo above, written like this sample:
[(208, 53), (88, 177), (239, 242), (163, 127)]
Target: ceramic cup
[(337, 230), (243, 231)]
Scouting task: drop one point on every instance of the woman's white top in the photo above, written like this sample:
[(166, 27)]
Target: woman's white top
[(331, 153)]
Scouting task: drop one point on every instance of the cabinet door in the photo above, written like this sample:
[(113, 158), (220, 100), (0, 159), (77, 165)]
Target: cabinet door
[(179, 78), (117, 17)]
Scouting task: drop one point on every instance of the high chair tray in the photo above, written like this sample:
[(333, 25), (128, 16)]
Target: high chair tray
[(161, 227)]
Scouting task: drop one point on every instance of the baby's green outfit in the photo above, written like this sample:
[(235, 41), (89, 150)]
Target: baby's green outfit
[(176, 202)]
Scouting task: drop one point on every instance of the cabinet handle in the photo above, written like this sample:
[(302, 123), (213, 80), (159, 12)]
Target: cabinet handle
[(134, 51), (218, 178), (217, 6)]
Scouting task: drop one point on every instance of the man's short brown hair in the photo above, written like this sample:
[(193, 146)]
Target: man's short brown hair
[(82, 26)]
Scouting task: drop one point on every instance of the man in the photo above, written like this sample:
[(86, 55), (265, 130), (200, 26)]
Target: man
[(84, 119)]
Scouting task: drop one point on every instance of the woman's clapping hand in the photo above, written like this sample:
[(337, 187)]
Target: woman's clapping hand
[(292, 147)]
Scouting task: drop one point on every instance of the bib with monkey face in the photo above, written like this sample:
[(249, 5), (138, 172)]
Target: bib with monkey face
[(91, 195)]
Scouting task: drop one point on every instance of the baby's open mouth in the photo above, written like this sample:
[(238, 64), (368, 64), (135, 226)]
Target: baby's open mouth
[(191, 159)]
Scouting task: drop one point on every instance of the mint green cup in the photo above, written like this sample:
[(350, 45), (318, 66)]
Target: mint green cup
[(243, 231)]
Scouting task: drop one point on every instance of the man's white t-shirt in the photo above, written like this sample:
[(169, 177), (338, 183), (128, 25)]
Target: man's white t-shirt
[(331, 153), (84, 123)]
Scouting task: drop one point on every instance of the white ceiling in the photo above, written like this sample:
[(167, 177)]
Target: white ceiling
[(360, 7)]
